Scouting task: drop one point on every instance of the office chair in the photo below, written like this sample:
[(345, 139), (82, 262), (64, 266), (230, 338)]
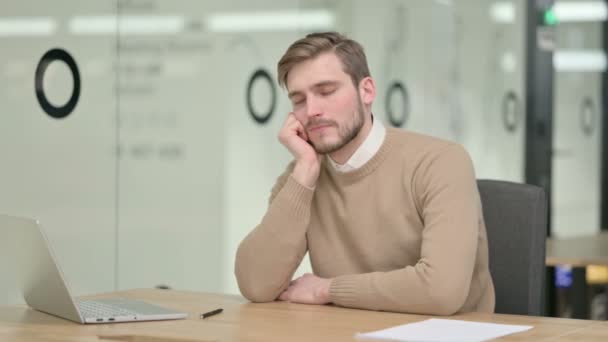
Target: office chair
[(516, 221)]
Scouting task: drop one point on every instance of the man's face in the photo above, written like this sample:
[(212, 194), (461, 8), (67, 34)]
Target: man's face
[(325, 102)]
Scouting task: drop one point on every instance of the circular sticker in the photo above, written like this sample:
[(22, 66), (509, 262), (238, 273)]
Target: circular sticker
[(397, 89), (509, 111), (261, 75), (587, 116), (49, 57)]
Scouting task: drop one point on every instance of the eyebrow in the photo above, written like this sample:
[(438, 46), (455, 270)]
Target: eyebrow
[(316, 85)]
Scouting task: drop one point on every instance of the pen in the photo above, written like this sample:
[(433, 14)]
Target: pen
[(211, 313)]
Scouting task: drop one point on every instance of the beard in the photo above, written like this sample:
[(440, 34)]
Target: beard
[(346, 132)]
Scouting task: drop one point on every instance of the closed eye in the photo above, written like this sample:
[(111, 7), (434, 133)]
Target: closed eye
[(327, 89)]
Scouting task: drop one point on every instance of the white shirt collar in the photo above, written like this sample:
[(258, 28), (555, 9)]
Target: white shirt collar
[(366, 151)]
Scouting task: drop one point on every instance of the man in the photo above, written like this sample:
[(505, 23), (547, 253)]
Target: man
[(391, 219)]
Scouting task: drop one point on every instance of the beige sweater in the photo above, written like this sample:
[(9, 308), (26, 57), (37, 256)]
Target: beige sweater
[(403, 233)]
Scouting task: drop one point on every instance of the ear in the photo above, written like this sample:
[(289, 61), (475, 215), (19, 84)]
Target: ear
[(367, 91)]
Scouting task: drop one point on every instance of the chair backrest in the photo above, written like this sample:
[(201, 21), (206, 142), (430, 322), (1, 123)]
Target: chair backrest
[(516, 221)]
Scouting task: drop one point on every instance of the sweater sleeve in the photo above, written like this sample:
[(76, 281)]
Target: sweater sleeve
[(270, 254), (445, 190)]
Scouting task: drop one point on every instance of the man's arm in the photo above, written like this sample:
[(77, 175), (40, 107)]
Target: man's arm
[(267, 258)]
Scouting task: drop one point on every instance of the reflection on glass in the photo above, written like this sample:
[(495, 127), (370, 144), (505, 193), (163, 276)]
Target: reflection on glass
[(579, 60), (306, 20), (132, 24), (27, 26), (568, 11)]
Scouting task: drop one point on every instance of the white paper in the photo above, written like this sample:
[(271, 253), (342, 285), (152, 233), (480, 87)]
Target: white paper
[(436, 329)]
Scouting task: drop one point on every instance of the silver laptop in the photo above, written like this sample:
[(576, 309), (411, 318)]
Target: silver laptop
[(45, 289)]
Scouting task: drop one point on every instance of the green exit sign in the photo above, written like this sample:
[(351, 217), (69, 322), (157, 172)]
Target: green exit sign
[(549, 17)]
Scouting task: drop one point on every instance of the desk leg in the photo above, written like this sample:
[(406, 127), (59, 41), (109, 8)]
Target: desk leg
[(606, 303), (550, 293), (580, 297)]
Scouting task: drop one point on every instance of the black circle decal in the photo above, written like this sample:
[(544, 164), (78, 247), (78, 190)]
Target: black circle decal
[(262, 75), (49, 57), (509, 111), (399, 88), (587, 116)]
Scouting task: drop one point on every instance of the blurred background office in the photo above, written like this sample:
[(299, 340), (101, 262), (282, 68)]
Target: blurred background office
[(142, 133)]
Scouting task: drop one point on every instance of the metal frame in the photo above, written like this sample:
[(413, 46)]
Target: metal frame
[(604, 148), (539, 115)]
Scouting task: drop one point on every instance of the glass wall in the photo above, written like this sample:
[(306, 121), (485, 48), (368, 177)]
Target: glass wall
[(579, 63), (59, 165)]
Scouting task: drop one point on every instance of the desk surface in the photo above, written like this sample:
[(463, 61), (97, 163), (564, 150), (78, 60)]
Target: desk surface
[(578, 251), (277, 321)]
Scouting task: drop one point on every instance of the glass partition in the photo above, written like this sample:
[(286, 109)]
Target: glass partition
[(579, 62), (58, 133)]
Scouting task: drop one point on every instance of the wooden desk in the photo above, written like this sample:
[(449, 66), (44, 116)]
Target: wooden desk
[(579, 252), (277, 321)]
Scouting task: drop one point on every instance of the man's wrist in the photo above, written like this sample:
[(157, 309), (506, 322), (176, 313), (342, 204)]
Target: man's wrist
[(306, 175), (325, 291)]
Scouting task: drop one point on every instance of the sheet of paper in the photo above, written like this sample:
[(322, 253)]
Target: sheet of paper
[(436, 329)]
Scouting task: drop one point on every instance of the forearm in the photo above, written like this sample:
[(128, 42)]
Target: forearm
[(415, 289), (267, 258)]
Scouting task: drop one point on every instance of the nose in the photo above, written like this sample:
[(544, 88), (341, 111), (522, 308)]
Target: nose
[(313, 107)]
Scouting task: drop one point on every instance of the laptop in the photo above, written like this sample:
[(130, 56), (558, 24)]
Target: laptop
[(44, 289)]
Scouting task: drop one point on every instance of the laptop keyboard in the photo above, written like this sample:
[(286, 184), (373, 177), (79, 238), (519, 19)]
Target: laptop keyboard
[(91, 308)]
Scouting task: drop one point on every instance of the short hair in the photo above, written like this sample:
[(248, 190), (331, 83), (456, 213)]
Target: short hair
[(348, 51)]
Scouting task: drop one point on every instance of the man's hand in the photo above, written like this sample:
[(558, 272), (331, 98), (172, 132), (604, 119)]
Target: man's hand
[(308, 289), (293, 136)]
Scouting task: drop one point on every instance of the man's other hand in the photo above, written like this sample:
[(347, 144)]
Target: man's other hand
[(307, 289)]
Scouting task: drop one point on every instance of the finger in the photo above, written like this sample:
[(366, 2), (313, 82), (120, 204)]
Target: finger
[(289, 120), (295, 126), (292, 117), (292, 120), (290, 127), (284, 296), (300, 130), (304, 134)]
